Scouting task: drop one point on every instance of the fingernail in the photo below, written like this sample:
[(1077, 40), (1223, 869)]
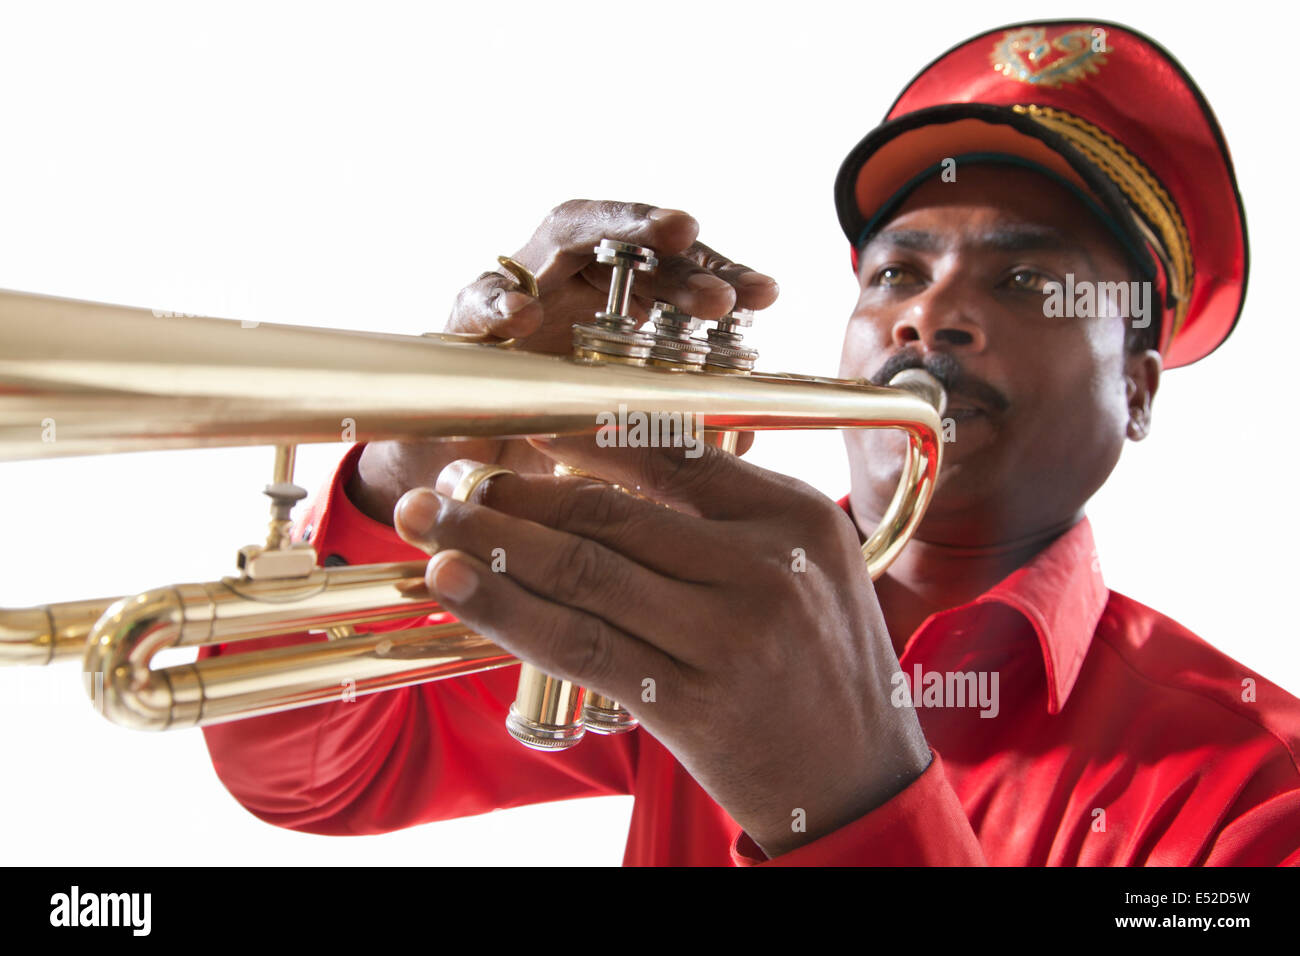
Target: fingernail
[(508, 303), (418, 511), (755, 279), (451, 579), (658, 214), (703, 280), (451, 475)]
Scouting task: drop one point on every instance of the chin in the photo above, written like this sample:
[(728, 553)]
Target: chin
[(972, 488), (964, 494)]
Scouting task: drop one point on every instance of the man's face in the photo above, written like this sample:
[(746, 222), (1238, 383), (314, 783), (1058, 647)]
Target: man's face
[(1040, 406)]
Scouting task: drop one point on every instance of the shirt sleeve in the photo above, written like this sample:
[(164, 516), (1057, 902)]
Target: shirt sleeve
[(1267, 835), (922, 825), (397, 758)]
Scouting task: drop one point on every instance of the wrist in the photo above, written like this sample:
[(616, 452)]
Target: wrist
[(847, 799)]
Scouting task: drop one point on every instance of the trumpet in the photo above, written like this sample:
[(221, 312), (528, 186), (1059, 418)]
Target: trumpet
[(82, 378)]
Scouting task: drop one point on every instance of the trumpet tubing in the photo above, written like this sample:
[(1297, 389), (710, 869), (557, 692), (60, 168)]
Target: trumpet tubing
[(81, 378)]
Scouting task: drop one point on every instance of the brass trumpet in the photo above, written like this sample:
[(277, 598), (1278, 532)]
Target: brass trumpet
[(81, 378)]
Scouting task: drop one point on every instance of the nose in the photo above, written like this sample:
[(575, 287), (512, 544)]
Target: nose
[(939, 320)]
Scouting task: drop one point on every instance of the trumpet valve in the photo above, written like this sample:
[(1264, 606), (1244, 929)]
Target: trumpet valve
[(547, 712), (624, 259), (602, 715), (613, 336), (727, 351), (674, 347)]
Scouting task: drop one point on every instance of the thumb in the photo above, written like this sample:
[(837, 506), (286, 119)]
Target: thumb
[(492, 305)]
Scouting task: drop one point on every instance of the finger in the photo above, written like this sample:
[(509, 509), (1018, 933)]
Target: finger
[(754, 290), (714, 484), (574, 571), (665, 541), (689, 286), (493, 304), (565, 243), (561, 247), (702, 283), (561, 641)]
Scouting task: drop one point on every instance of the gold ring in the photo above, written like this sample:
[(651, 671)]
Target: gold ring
[(527, 281), (470, 481)]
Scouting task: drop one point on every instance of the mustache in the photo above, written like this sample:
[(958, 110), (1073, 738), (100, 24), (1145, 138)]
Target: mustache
[(945, 367)]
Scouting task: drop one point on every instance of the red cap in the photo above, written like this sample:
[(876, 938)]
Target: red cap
[(1103, 110)]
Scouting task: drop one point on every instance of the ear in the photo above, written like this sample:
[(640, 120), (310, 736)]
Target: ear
[(1141, 379)]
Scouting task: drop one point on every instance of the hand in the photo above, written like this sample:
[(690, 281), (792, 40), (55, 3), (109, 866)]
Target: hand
[(771, 676), (573, 288)]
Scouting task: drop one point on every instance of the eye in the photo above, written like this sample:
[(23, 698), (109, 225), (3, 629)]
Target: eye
[(1027, 280), (894, 276)]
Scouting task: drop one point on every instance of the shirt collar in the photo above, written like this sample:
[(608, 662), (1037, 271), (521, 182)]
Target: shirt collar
[(1062, 595), (1060, 592)]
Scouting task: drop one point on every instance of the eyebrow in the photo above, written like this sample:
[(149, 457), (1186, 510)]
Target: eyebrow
[(1011, 238)]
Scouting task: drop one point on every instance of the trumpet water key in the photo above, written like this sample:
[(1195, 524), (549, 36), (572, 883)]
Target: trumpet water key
[(82, 378)]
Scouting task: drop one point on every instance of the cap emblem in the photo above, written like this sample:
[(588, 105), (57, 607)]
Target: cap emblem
[(1027, 55)]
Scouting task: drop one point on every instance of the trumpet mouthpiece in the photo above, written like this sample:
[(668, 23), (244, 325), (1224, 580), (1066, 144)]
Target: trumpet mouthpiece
[(924, 385)]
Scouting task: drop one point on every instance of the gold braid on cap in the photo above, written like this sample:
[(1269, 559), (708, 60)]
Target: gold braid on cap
[(1141, 189)]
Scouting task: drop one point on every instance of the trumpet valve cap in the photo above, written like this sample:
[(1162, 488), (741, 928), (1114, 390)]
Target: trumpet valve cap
[(736, 320), (668, 318), (539, 736), (611, 252), (726, 350)]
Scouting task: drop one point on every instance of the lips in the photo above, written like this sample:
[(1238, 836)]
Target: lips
[(963, 408), (960, 413), (969, 396)]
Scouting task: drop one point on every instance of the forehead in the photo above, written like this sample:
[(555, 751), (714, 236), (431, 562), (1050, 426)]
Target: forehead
[(1002, 209)]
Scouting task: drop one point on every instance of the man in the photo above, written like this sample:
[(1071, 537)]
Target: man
[(1047, 218)]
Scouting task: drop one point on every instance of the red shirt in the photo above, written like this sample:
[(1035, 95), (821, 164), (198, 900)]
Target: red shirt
[(1117, 738)]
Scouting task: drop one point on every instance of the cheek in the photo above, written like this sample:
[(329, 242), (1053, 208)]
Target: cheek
[(1109, 408), (866, 347), (1080, 417), (1106, 388)]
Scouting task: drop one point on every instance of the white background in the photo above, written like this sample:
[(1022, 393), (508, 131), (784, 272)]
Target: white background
[(353, 166)]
